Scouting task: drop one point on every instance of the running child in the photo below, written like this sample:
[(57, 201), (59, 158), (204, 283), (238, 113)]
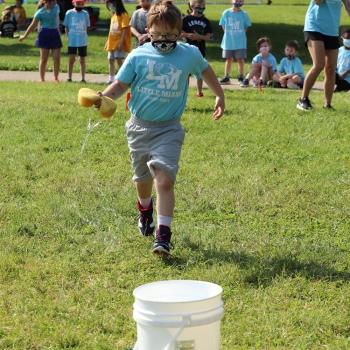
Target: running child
[(158, 75)]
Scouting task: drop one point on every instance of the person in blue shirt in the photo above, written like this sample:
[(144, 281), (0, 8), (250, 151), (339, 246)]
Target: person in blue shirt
[(290, 72), (158, 75), (321, 31), (76, 22), (342, 74), (48, 36), (235, 23), (264, 64)]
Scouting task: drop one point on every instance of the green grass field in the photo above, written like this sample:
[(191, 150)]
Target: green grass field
[(262, 209)]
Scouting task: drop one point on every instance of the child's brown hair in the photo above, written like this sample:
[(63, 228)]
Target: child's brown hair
[(294, 44), (165, 12), (262, 40)]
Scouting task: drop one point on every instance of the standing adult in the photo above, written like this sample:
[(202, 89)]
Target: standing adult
[(321, 34)]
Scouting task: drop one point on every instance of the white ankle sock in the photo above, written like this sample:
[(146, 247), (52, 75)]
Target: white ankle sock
[(164, 220), (145, 202), (111, 78)]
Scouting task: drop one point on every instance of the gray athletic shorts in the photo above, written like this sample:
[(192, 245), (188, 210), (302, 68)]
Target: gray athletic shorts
[(154, 146), (241, 53), (116, 54)]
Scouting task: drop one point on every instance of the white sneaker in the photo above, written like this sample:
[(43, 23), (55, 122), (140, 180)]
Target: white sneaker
[(293, 86)]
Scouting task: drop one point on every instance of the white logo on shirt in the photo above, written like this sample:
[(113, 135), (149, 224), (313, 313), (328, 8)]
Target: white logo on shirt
[(167, 74), (234, 25)]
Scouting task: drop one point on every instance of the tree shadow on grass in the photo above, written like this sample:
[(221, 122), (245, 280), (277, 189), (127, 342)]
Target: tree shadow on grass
[(260, 270)]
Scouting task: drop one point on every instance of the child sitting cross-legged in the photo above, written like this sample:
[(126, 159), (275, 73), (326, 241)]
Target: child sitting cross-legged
[(290, 72)]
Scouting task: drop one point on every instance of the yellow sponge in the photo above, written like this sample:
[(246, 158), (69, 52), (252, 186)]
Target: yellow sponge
[(87, 97)]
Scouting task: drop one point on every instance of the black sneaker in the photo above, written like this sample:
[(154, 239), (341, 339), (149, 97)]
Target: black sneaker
[(261, 83), (162, 244), (245, 83), (240, 79), (274, 84), (225, 80), (146, 223), (328, 106), (304, 104)]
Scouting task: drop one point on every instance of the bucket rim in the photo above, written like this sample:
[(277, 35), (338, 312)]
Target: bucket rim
[(142, 298)]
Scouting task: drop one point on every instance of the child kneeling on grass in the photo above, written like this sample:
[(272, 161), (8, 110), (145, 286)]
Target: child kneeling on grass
[(158, 75), (290, 72)]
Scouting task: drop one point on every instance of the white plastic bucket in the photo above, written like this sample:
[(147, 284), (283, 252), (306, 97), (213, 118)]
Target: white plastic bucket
[(178, 315)]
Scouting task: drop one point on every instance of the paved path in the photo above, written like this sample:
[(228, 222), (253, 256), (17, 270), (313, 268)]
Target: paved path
[(100, 79)]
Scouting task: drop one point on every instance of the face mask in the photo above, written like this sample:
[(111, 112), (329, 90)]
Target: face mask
[(112, 8), (164, 46), (264, 49), (78, 8), (199, 10), (346, 42), (238, 4), (290, 57)]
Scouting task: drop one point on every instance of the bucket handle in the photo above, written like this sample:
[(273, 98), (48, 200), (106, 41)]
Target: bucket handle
[(186, 320)]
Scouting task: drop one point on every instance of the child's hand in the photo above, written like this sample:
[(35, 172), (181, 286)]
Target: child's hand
[(97, 104), (219, 108), (21, 38)]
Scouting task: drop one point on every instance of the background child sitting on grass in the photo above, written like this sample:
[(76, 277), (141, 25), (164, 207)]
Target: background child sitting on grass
[(158, 75), (290, 72), (7, 26), (263, 65), (342, 74)]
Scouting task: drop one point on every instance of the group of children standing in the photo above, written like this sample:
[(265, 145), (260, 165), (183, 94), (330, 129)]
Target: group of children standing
[(196, 30)]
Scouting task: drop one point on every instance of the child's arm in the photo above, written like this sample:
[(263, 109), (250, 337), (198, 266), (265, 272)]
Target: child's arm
[(211, 80), (198, 37), (114, 91), (120, 46), (32, 26)]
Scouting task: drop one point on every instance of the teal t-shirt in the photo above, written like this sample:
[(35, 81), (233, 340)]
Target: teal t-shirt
[(324, 18), (291, 67), (160, 80), (235, 37), (270, 59), (77, 23), (48, 19)]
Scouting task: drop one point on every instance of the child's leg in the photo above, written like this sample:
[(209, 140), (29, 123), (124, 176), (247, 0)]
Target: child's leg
[(295, 79), (82, 61), (199, 86), (71, 61), (44, 57), (240, 62), (111, 67), (56, 56), (144, 189), (264, 73), (165, 193), (228, 65), (254, 71), (120, 62)]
